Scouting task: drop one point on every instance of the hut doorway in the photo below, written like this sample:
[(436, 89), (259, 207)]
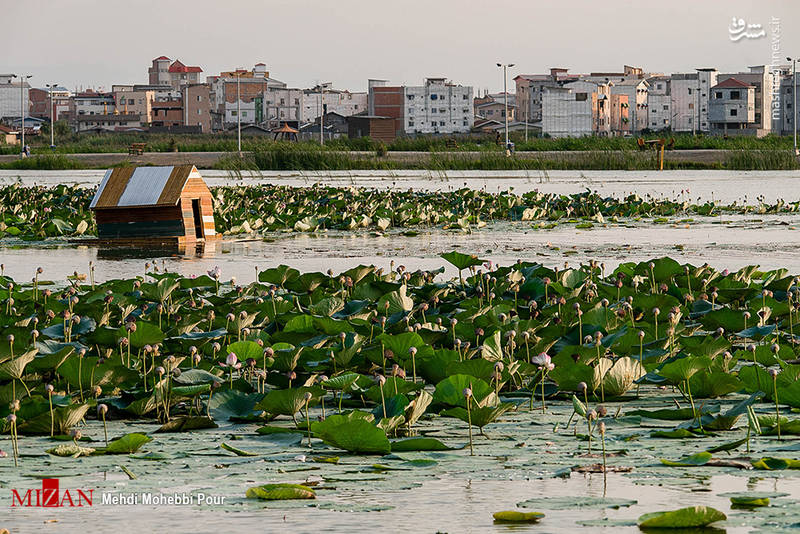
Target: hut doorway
[(198, 218)]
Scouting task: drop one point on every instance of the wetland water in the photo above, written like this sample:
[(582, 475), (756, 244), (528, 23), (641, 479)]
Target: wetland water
[(523, 462)]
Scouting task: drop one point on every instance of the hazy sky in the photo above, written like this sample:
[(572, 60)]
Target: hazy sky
[(97, 43)]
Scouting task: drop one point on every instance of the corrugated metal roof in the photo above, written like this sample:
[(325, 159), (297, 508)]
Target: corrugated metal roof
[(142, 186)]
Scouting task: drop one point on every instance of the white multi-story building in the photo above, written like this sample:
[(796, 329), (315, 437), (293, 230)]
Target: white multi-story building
[(761, 77), (437, 107), (689, 95), (13, 96), (332, 100), (659, 108), (566, 111)]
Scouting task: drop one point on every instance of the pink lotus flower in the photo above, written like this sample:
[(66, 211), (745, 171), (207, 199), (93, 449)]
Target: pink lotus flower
[(542, 360)]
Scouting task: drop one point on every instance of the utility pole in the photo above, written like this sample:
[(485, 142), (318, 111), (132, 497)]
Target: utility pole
[(505, 67), (22, 80), (794, 104), (238, 112), (51, 87)]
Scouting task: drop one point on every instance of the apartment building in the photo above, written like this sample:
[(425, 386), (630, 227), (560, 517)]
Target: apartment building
[(13, 96), (164, 71), (325, 99), (40, 102), (567, 111), (636, 90), (659, 104), (761, 78), (197, 106), (530, 89), (732, 108), (437, 107)]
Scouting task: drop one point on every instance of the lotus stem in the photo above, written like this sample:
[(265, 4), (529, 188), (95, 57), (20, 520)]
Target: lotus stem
[(308, 418), (49, 389), (774, 374), (602, 428), (468, 395), (12, 418)]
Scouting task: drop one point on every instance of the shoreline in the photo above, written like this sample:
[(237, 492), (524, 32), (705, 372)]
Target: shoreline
[(711, 159)]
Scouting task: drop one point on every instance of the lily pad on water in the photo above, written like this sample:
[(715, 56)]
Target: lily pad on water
[(187, 424), (690, 517), (71, 450), (775, 464), (352, 433), (701, 458), (127, 444), (280, 492), (419, 444), (570, 503), (513, 516), (237, 452)]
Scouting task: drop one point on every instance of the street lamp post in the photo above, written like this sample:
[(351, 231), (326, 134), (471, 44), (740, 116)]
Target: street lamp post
[(50, 88), (505, 67), (238, 113), (794, 104), (22, 79)]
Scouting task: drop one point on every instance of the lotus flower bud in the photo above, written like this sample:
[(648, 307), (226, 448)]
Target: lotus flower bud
[(601, 410), (49, 389), (467, 393), (581, 387), (196, 358), (11, 418), (498, 366), (14, 405), (216, 346), (160, 371), (602, 428), (776, 348), (176, 372), (102, 409), (773, 372), (75, 434), (231, 359), (412, 351), (97, 390), (381, 380), (269, 352), (591, 415)]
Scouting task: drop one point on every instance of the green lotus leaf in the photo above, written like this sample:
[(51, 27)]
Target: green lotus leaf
[(513, 516), (690, 517), (352, 433), (280, 492)]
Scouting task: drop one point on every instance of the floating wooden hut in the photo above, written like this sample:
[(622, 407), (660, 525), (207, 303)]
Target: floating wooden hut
[(153, 205)]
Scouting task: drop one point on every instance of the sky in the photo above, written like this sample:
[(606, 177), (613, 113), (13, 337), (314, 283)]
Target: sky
[(89, 43)]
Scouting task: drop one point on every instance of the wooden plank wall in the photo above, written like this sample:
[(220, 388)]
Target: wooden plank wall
[(197, 189)]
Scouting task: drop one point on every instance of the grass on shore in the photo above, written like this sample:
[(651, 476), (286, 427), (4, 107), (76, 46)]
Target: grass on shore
[(161, 142)]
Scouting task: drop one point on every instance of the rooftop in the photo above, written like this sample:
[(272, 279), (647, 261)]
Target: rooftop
[(731, 82)]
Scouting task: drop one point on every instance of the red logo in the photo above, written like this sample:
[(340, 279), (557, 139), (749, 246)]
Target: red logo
[(51, 496)]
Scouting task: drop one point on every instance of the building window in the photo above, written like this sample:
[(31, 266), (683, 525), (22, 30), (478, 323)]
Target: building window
[(691, 106), (717, 94), (734, 95), (690, 90), (199, 98), (734, 112), (581, 97), (433, 110), (666, 108), (441, 123)]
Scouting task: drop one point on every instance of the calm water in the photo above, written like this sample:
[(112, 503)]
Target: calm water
[(726, 186), (458, 496)]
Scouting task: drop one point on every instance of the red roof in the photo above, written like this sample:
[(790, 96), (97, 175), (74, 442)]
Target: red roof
[(732, 82), (177, 66), (260, 64), (161, 58)]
